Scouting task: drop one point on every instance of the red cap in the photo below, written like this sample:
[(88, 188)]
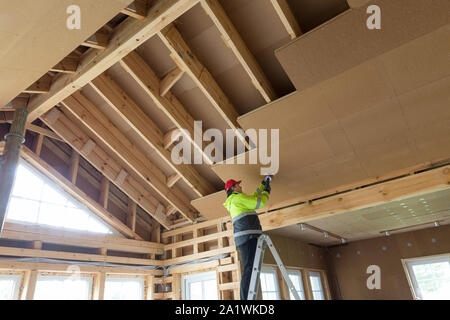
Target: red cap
[(231, 183)]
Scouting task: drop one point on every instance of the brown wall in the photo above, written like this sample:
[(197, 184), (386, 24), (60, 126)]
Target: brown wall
[(348, 268)]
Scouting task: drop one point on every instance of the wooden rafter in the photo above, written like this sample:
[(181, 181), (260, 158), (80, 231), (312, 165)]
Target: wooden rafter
[(99, 158), (77, 193), (137, 9), (185, 57), (234, 41), (124, 106), (128, 36), (169, 104), (421, 183), (287, 18), (103, 130)]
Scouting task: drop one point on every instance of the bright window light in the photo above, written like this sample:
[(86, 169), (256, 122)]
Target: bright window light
[(200, 286), (50, 287), (316, 285), (269, 283), (430, 277), (296, 277), (37, 200), (124, 289), (9, 286)]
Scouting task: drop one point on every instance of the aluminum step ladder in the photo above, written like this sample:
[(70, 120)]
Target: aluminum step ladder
[(264, 242)]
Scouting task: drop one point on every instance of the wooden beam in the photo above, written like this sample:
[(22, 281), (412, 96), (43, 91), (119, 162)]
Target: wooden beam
[(131, 214), (170, 137), (77, 193), (100, 127), (287, 18), (104, 193), (41, 86), (67, 65), (137, 9), (169, 104), (401, 188), (169, 80), (235, 42), (121, 103), (127, 37), (172, 180), (189, 62), (43, 131)]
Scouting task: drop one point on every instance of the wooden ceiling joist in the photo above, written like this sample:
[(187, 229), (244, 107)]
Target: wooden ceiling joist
[(169, 104), (67, 65), (41, 86), (78, 194), (287, 18), (128, 36), (103, 130), (188, 61), (397, 189), (123, 105), (137, 9), (235, 42), (99, 158)]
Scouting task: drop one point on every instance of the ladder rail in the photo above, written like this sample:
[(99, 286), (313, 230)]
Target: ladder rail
[(264, 241)]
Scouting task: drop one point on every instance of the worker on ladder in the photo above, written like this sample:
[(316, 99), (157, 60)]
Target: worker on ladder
[(246, 224)]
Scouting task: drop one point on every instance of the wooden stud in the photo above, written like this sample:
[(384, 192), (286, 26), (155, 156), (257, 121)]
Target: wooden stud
[(74, 165), (30, 285), (104, 192), (131, 216), (99, 286)]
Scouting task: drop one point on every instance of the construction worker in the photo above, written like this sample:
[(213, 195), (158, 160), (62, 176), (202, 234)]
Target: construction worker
[(246, 224)]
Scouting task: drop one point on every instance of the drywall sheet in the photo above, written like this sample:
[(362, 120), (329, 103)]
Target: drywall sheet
[(34, 37), (365, 123), (345, 41)]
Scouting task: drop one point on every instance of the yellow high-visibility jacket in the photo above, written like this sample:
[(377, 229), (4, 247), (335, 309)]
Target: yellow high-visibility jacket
[(243, 215)]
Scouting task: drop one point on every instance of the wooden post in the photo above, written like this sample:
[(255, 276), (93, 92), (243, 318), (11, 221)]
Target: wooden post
[(131, 217), (10, 158), (104, 192)]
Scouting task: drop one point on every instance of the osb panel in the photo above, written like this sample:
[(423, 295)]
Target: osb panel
[(34, 37), (325, 145), (345, 41)]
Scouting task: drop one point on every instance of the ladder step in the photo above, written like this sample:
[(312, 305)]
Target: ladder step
[(229, 286), (230, 267)]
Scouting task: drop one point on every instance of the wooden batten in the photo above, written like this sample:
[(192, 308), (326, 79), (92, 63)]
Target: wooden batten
[(137, 9), (287, 18), (40, 86), (169, 80)]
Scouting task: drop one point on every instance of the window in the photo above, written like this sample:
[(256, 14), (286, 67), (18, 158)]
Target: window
[(316, 285), (430, 277), (200, 286), (124, 289), (35, 199), (296, 277), (50, 287), (269, 283), (9, 286)]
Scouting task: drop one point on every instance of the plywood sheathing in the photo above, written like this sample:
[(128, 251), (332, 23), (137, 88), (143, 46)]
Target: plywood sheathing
[(345, 41), (333, 135), (28, 30)]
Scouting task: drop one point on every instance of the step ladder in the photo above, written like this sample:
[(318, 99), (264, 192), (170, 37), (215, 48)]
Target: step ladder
[(264, 242)]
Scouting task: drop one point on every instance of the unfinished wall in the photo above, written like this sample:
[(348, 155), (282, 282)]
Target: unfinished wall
[(348, 263)]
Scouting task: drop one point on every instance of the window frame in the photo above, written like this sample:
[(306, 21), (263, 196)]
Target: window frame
[(196, 277), (409, 273), (271, 269), (91, 278), (321, 281), (19, 279), (297, 272), (117, 278)]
